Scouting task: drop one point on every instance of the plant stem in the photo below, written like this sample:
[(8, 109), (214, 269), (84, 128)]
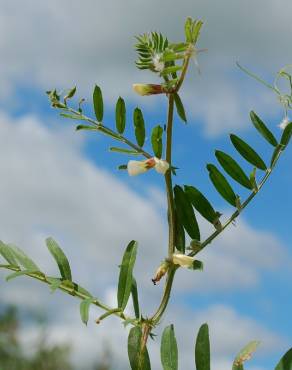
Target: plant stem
[(69, 290), (100, 126), (166, 295), (168, 179), (238, 211), (185, 68), (170, 200)]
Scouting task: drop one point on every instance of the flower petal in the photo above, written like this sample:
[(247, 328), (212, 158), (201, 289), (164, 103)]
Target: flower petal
[(284, 123), (182, 260), (136, 167), (161, 166)]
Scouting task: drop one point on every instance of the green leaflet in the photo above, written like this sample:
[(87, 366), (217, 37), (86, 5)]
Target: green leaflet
[(286, 361), (86, 127), (72, 116), (286, 136), (179, 47), (122, 167), (126, 274), (124, 151), (186, 213), (263, 129), (23, 272), (84, 309), (120, 115), (169, 70), (168, 349), (70, 94), (54, 283), (139, 125), (98, 103), (107, 314), (245, 355), (201, 204), (156, 140), (179, 107), (202, 349), (6, 253), (196, 30), (222, 185), (60, 258), (180, 239), (192, 30), (188, 30), (22, 258), (233, 169), (253, 179), (134, 292), (138, 360), (247, 152)]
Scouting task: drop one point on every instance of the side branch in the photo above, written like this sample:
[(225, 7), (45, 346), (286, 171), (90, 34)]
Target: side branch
[(67, 289), (238, 211)]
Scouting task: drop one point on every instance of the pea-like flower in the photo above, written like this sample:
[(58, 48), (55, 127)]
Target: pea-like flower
[(148, 89), (183, 260), (138, 167), (284, 123)]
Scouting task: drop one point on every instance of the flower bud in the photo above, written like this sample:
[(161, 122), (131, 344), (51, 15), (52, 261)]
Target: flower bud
[(161, 271), (148, 89)]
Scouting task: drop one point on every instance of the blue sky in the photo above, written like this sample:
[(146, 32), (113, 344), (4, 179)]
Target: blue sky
[(65, 184)]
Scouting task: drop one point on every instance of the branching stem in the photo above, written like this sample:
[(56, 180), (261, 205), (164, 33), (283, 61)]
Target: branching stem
[(238, 211), (100, 126), (69, 290)]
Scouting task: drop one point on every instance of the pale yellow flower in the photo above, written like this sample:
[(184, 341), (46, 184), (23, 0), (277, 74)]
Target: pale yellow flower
[(183, 260)]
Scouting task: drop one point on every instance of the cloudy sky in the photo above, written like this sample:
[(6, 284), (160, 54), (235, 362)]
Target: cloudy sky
[(57, 182)]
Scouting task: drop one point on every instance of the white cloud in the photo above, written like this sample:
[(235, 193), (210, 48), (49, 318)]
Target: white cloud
[(61, 44), (48, 187)]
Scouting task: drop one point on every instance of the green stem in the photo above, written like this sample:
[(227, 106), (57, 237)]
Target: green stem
[(185, 68), (99, 125), (166, 295), (168, 179), (69, 290), (238, 211), (170, 200)]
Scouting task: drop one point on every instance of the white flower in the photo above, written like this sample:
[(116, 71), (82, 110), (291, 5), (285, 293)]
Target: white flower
[(284, 123), (182, 260), (158, 65), (138, 167), (161, 166)]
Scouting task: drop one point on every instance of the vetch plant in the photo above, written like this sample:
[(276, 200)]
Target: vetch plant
[(170, 62)]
